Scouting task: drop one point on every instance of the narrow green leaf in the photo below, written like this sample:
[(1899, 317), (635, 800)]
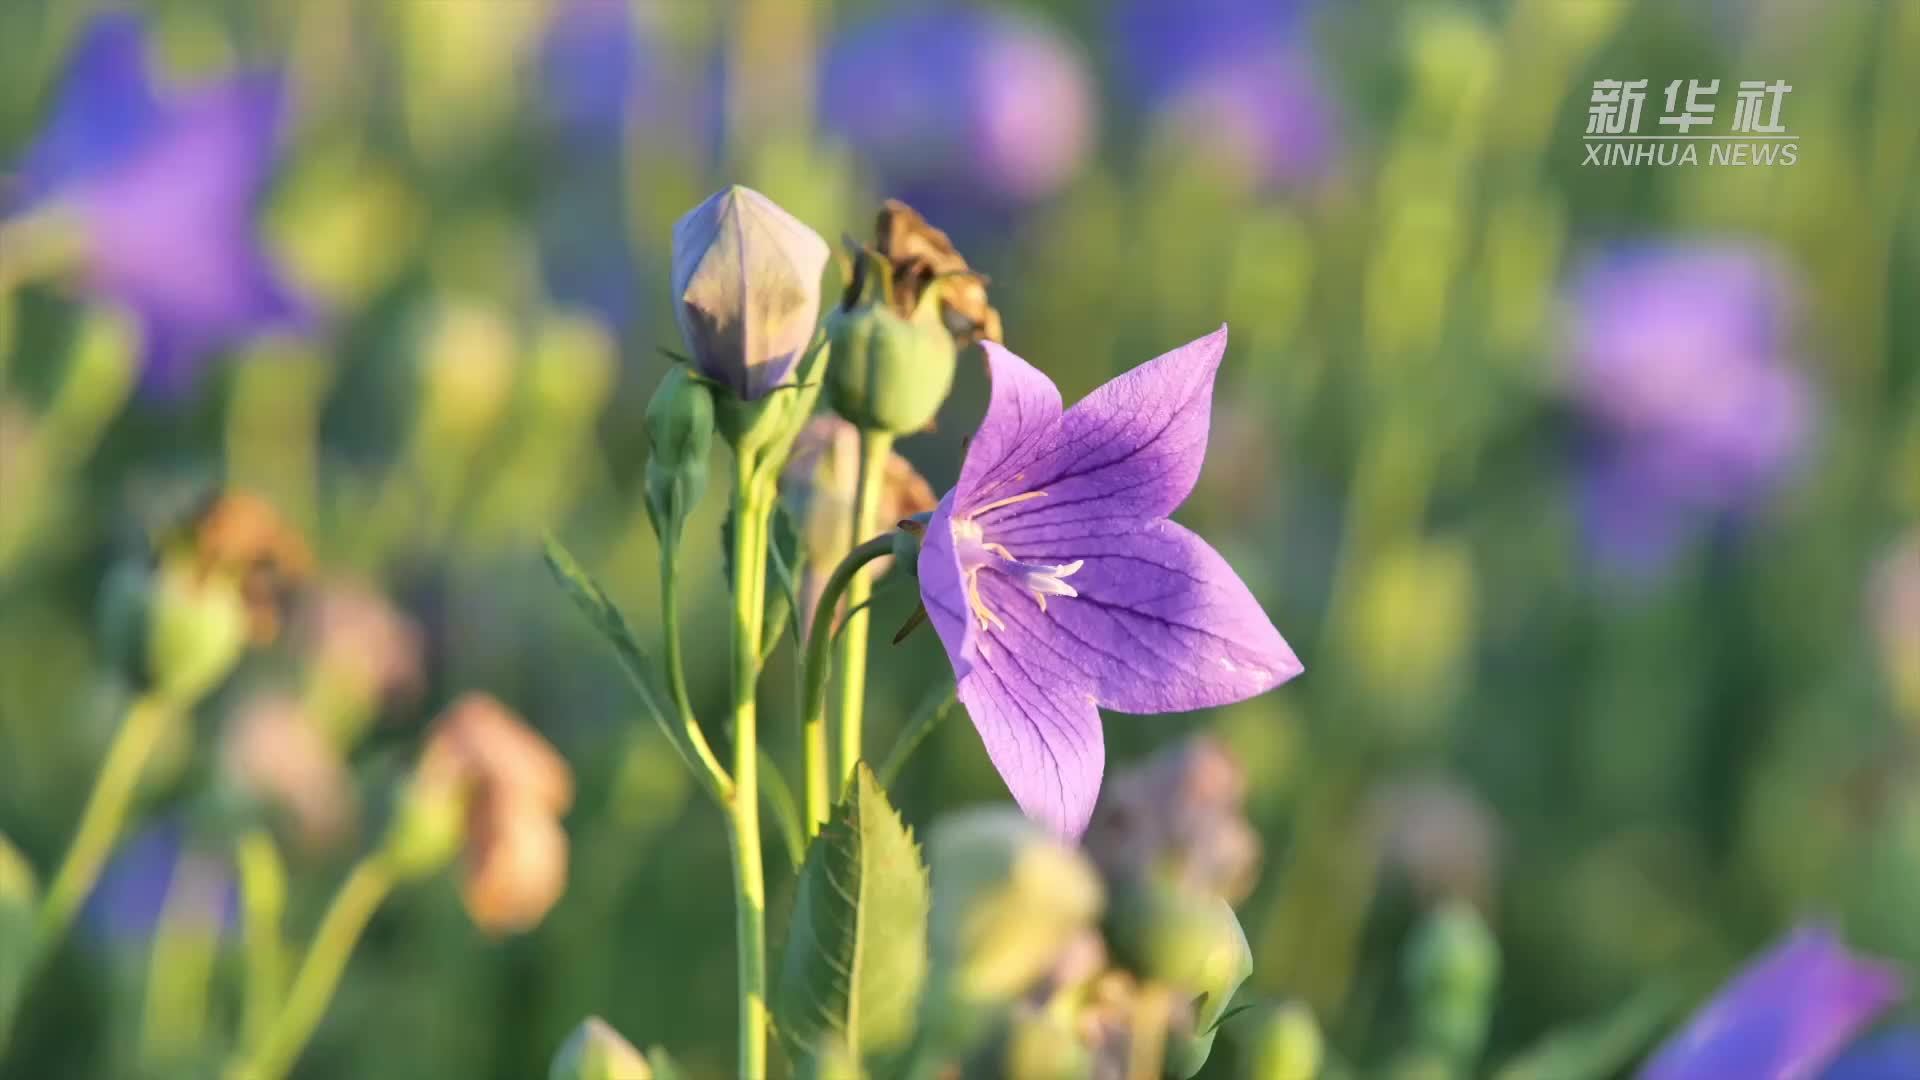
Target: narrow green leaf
[(593, 601), (856, 953), (1600, 1047)]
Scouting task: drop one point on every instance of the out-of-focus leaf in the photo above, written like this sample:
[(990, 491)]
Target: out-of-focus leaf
[(19, 895), (856, 952)]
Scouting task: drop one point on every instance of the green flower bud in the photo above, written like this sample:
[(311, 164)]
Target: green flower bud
[(1046, 1046), (597, 1052), (428, 828), (175, 630), (1453, 969), (892, 371), (680, 440), (1288, 1046), (1008, 899), (1191, 941)]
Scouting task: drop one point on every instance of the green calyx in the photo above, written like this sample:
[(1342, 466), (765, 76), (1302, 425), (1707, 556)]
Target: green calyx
[(680, 426), (894, 369)]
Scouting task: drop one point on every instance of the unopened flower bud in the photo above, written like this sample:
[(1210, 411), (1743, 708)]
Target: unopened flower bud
[(890, 371), (1008, 899), (1288, 1045), (680, 440), (1453, 969), (597, 1052), (174, 630), (746, 286), (429, 825), (1190, 941)]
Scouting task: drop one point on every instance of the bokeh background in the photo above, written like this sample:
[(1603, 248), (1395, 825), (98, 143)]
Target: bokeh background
[(1587, 495)]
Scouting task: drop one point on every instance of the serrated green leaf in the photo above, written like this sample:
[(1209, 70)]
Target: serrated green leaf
[(593, 602), (856, 954)]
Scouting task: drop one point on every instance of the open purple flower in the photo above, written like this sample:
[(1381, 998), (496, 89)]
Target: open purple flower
[(961, 108), (1785, 1017), (1891, 1055), (162, 186), (1058, 585)]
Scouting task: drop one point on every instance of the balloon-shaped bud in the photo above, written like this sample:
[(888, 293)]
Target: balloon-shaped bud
[(746, 287), (174, 630), (597, 1052), (1191, 941), (891, 371)]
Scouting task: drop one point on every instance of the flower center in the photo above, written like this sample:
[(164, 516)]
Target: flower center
[(977, 553)]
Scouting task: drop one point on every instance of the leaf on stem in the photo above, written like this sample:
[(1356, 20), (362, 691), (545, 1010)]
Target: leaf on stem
[(855, 956)]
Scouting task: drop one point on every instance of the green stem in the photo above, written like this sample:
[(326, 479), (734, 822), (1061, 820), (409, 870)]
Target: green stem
[(263, 899), (101, 821), (752, 509), (876, 447), (932, 709), (713, 776), (816, 666), (340, 929)]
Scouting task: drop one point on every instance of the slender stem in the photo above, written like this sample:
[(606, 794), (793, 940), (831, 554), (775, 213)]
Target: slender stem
[(752, 507), (101, 821), (713, 776), (816, 664), (263, 899), (876, 448), (932, 709), (346, 919)]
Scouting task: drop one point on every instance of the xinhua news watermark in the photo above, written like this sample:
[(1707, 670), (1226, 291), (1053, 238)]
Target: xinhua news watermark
[(1755, 135)]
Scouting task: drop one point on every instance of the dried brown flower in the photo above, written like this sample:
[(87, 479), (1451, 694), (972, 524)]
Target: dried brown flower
[(919, 254), (274, 752), (517, 788), (355, 635), (241, 533)]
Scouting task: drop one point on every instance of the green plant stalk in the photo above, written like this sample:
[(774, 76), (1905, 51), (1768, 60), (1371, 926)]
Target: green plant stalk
[(876, 448), (101, 822), (365, 889), (816, 663), (263, 887), (752, 513), (713, 776)]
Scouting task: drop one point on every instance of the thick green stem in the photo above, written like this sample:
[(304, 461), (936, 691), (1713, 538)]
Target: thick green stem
[(101, 821), (263, 900), (876, 448), (817, 665), (752, 510), (340, 929)]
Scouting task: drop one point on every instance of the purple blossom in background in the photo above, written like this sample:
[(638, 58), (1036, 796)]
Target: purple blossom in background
[(961, 108), (133, 891), (1680, 364), (1786, 1016), (1234, 77), (164, 186), (596, 70), (1057, 583)]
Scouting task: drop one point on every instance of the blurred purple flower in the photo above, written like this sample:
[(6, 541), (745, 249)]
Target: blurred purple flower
[(1891, 1055), (163, 186), (1679, 362), (132, 894), (1232, 77), (954, 107), (1057, 583), (595, 68), (1784, 1017)]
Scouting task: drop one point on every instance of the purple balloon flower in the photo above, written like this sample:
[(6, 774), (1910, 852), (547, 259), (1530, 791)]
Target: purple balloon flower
[(1057, 583), (1232, 77), (959, 106), (1679, 362), (163, 187), (1785, 1017)]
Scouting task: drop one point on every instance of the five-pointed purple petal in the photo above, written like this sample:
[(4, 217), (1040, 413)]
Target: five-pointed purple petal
[(164, 188), (1785, 1017), (1058, 585)]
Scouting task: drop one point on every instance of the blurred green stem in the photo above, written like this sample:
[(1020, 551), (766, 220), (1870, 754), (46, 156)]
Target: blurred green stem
[(817, 666), (263, 900), (876, 447), (102, 821), (340, 929), (927, 716), (753, 501)]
